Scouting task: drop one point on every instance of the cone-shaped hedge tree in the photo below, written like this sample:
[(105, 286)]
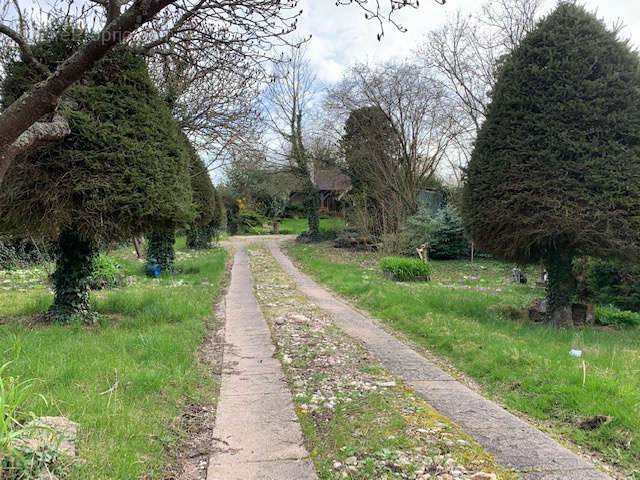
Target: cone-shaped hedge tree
[(122, 171), (200, 234), (556, 168)]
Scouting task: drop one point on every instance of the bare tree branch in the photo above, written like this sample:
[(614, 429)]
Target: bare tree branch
[(23, 46)]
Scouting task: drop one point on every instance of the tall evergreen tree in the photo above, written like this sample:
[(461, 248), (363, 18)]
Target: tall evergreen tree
[(556, 168), (200, 234), (122, 171)]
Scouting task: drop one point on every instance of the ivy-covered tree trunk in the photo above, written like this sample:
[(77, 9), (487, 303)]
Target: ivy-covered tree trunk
[(561, 286), (160, 248), (74, 265), (310, 204), (199, 237)]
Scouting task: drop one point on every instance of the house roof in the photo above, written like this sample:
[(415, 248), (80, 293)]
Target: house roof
[(331, 179)]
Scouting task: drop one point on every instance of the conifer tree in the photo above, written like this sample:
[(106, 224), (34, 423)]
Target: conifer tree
[(122, 171), (555, 172), (200, 233)]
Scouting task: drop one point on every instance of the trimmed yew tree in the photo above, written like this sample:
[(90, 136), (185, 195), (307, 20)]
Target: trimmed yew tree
[(122, 171), (200, 233), (556, 168)]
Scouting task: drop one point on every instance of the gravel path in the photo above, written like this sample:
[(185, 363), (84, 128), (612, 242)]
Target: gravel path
[(257, 430), (515, 444)]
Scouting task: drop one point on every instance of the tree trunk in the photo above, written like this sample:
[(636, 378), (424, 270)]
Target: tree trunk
[(161, 249), (74, 266), (561, 287), (199, 237), (311, 208)]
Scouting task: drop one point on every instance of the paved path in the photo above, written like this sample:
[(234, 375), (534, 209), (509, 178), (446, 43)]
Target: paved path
[(255, 422), (515, 444)]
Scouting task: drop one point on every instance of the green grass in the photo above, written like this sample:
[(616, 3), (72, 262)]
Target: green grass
[(296, 226), (525, 365), (126, 379)]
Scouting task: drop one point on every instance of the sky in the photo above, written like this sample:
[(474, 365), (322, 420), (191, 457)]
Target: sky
[(341, 36)]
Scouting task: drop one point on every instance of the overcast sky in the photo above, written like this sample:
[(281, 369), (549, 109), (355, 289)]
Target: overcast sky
[(342, 36)]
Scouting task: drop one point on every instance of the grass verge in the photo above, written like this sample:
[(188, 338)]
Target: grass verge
[(127, 379), (466, 314)]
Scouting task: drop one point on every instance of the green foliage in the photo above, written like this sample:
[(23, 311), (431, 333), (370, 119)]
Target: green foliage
[(251, 218), (274, 205), (310, 204), (203, 192), (17, 461), (16, 252), (219, 220), (612, 316), (72, 278), (442, 230), (60, 41), (370, 150), (368, 145), (107, 273), (199, 237), (555, 165), (122, 171), (405, 269), (161, 249), (608, 282), (13, 396)]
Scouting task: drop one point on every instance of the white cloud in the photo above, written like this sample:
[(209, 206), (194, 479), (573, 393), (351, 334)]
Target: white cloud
[(342, 36)]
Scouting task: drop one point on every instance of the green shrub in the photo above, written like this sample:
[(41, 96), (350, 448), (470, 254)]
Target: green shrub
[(612, 316), (107, 273), (608, 282), (443, 230), (18, 252), (251, 218), (405, 269)]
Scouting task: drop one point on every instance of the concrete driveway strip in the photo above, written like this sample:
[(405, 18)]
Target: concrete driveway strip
[(514, 443), (258, 434)]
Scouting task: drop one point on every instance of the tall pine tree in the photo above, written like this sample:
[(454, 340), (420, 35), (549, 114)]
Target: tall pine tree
[(556, 168)]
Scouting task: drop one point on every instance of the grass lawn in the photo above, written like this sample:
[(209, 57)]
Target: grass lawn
[(298, 225), (125, 380), (463, 314)]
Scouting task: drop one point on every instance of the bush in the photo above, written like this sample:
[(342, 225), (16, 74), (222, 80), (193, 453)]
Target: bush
[(608, 282), (405, 269), (107, 273), (612, 316), (322, 236), (251, 218), (442, 230), (20, 252), (293, 211)]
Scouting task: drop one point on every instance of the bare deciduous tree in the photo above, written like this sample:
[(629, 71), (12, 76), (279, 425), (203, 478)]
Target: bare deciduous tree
[(287, 102), (184, 27), (419, 112), (466, 52)]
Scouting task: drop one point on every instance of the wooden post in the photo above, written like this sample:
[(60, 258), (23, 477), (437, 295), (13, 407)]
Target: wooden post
[(137, 247), (472, 251)]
